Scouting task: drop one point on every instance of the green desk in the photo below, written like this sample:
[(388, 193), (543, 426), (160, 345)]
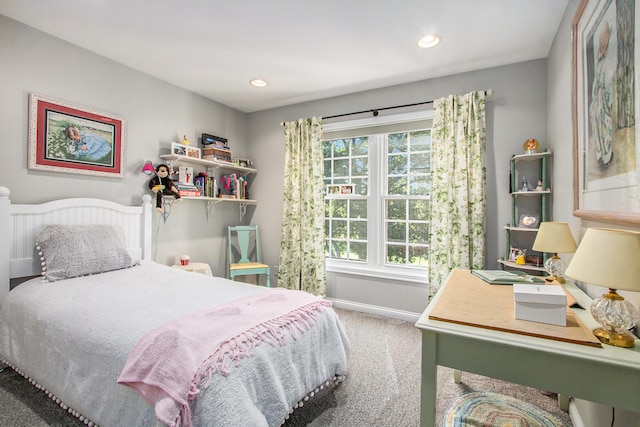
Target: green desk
[(607, 375)]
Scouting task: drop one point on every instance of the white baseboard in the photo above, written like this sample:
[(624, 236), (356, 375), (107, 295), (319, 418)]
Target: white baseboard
[(574, 414), (376, 310)]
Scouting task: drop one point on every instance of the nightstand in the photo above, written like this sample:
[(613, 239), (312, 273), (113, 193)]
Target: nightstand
[(195, 267)]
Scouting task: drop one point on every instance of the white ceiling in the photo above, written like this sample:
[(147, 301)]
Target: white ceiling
[(304, 49)]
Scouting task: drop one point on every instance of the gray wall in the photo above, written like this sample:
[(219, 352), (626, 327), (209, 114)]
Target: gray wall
[(559, 134), (156, 113), (516, 112)]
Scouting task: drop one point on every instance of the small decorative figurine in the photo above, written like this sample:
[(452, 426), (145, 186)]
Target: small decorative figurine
[(185, 140), (520, 258), (531, 146), (539, 187), (525, 185), (161, 184)]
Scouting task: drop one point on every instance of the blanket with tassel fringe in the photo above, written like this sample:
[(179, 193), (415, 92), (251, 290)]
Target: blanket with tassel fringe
[(171, 362)]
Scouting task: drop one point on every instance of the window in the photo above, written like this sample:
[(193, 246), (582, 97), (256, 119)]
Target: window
[(381, 223)]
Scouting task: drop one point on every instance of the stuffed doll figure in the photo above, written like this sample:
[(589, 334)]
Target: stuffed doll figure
[(162, 185)]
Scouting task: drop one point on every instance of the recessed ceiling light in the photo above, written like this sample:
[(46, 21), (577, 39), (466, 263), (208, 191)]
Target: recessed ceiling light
[(430, 40), (258, 83)]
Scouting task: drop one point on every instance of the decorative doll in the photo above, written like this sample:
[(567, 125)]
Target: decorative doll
[(162, 185)]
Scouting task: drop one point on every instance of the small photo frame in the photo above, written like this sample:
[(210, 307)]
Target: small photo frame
[(513, 254), (185, 150), (340, 189), (243, 163), (529, 221)]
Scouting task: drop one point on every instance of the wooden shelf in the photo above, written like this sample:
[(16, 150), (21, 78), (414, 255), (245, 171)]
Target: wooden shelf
[(520, 266), (220, 199), (530, 157), (508, 227), (208, 163)]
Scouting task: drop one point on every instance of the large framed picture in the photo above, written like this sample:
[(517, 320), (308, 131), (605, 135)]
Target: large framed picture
[(64, 137), (606, 110)]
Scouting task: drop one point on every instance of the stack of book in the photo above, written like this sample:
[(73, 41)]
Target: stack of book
[(188, 190), (215, 153)]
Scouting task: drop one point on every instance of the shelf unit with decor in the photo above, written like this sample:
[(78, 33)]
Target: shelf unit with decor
[(210, 166), (529, 207)]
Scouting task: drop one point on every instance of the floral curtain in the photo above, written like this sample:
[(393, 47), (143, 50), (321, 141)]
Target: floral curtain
[(458, 187), (302, 260)]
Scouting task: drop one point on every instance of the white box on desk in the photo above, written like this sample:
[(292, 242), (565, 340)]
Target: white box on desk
[(540, 303)]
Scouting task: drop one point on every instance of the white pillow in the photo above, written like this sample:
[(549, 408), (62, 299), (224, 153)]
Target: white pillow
[(68, 251)]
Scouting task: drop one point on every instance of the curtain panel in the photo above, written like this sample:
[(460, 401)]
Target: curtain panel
[(302, 258), (457, 215)]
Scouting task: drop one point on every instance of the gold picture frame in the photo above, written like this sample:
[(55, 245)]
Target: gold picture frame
[(606, 143)]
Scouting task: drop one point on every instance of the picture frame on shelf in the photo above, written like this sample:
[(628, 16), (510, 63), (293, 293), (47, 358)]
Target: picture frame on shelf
[(185, 150), (529, 220), (513, 254), (243, 163), (606, 142), (69, 138), (340, 189)]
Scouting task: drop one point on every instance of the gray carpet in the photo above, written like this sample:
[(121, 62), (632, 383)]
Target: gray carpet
[(382, 388)]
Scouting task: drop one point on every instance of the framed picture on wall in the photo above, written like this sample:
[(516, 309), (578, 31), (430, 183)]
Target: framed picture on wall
[(64, 137), (606, 111)]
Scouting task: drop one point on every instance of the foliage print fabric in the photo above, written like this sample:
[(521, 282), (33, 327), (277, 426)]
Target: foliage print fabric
[(458, 187), (302, 258)]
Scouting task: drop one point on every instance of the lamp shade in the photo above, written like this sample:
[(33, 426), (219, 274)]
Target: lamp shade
[(147, 168), (554, 237), (609, 258)]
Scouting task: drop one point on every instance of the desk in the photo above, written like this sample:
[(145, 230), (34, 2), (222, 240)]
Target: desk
[(607, 375), (196, 267)]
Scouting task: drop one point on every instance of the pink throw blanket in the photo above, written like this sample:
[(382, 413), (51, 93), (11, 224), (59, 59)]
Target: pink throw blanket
[(171, 361)]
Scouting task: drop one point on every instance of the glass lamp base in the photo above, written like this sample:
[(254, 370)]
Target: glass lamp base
[(555, 269), (618, 339), (617, 316)]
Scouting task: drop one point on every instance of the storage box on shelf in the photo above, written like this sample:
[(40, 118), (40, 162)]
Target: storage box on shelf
[(530, 205)]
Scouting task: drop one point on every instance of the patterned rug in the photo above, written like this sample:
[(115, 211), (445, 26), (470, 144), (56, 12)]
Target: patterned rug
[(496, 410)]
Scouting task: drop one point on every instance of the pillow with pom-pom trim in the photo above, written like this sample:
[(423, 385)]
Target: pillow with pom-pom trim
[(68, 251)]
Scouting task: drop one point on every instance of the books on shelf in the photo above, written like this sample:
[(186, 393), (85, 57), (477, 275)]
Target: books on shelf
[(188, 190), (503, 277)]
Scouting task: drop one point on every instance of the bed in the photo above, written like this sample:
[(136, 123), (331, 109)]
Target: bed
[(82, 339)]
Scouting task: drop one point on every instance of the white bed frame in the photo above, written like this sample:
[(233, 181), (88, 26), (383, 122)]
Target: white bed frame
[(21, 222)]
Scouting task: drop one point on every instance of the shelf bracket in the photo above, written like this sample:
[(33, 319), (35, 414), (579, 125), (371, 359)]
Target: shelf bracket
[(210, 208), (243, 210), (167, 204)]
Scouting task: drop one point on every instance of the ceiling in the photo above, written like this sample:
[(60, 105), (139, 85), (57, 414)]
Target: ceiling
[(305, 50)]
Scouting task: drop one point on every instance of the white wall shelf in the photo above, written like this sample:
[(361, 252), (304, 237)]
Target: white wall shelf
[(211, 166)]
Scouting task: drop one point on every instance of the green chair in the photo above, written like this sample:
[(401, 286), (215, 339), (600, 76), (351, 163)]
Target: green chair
[(243, 242)]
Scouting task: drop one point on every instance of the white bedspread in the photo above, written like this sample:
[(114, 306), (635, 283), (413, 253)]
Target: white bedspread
[(73, 338)]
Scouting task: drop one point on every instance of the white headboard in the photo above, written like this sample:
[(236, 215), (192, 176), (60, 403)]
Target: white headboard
[(21, 223)]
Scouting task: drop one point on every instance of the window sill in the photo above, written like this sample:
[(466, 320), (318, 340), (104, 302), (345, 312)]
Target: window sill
[(400, 275)]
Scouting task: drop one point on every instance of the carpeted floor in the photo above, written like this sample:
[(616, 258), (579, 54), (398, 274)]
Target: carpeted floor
[(382, 387)]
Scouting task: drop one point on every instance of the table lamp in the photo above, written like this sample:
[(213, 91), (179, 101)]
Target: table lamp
[(610, 258), (554, 237)]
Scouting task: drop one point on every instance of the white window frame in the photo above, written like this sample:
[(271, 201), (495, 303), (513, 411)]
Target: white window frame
[(375, 266)]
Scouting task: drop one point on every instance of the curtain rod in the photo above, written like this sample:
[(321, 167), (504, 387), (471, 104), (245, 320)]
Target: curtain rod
[(488, 93)]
